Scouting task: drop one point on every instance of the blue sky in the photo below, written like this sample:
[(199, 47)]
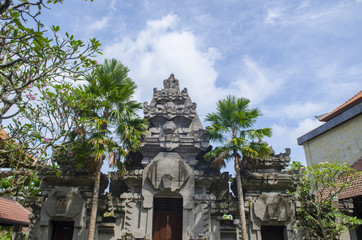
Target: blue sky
[(292, 59)]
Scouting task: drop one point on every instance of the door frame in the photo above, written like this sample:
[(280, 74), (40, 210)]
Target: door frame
[(177, 206)]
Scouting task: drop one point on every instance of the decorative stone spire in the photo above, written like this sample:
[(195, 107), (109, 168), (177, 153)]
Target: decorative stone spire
[(174, 124), (171, 83)]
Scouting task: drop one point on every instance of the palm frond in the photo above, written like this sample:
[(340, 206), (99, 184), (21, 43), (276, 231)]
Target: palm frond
[(219, 156), (219, 162), (232, 125), (258, 133)]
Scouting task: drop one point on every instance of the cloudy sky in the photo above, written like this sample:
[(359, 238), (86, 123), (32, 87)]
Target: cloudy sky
[(292, 59)]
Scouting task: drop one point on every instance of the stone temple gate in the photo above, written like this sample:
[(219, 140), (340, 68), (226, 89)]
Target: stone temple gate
[(170, 191)]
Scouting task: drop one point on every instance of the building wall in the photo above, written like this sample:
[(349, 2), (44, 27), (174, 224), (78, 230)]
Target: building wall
[(342, 143)]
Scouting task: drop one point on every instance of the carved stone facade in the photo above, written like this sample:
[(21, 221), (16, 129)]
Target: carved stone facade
[(268, 205), (170, 191)]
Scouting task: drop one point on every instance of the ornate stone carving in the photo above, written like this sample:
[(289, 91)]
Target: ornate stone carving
[(65, 203), (168, 173), (171, 82), (272, 207), (174, 123)]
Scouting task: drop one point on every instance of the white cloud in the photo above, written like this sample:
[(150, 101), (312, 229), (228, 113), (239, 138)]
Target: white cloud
[(163, 48), (307, 16), (99, 24), (112, 5), (273, 15), (159, 50), (334, 88), (304, 126), (304, 4), (298, 110), (213, 54), (286, 137), (167, 22), (255, 82)]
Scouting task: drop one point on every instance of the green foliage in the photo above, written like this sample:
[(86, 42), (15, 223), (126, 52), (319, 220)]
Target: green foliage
[(110, 107), (7, 231), (30, 55), (232, 126), (37, 108), (317, 188), (106, 103), (35, 137), (29, 190)]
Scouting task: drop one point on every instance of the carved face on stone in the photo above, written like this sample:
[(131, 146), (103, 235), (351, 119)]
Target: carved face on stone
[(170, 105), (169, 127)]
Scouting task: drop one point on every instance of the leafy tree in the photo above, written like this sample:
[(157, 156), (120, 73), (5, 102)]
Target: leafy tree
[(317, 188), (111, 109), (231, 126), (36, 133), (36, 67), (29, 55)]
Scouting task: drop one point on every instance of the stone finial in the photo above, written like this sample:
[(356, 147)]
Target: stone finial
[(171, 82)]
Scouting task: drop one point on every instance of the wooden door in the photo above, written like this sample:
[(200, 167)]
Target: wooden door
[(62, 230), (167, 219), (272, 232)]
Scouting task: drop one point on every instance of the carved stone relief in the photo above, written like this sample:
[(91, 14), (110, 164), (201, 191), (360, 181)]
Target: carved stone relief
[(272, 207), (167, 173), (63, 203)]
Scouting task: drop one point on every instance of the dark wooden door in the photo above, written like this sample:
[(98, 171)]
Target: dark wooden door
[(167, 219), (272, 232), (63, 230)]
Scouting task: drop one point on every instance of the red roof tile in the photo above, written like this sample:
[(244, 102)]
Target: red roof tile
[(357, 165), (344, 107), (12, 212), (355, 188)]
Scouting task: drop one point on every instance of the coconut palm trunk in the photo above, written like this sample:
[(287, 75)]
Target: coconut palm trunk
[(97, 180), (239, 185), (93, 215)]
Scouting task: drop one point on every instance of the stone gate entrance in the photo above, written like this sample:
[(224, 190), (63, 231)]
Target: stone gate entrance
[(170, 191)]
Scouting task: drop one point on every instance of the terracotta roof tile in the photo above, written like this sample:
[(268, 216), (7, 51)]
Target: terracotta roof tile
[(345, 106), (357, 165), (12, 212), (355, 188)]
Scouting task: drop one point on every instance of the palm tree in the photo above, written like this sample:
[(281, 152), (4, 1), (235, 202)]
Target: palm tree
[(231, 126), (110, 91)]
